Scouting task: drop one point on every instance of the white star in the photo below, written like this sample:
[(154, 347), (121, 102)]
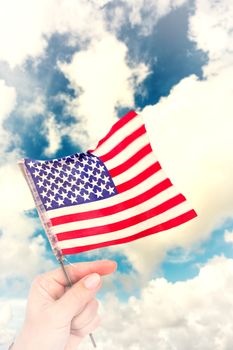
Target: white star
[(73, 182), (76, 176), (77, 192), (63, 195), (101, 168), (89, 172), (103, 186), (106, 178), (93, 165), (39, 166), (72, 165), (69, 171), (49, 165), (99, 194), (94, 183), (80, 168), (67, 187), (48, 187), (55, 191), (36, 173), (89, 190), (65, 178), (85, 179), (51, 197), (85, 161), (44, 177), (40, 183), (31, 164), (111, 190), (59, 184), (86, 196), (60, 201), (43, 194), (81, 185), (62, 162), (52, 180), (94, 158), (48, 204), (73, 199), (98, 176)]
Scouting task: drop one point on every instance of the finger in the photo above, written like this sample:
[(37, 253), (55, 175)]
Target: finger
[(77, 297), (79, 270), (86, 316), (51, 285), (76, 337), (90, 327)]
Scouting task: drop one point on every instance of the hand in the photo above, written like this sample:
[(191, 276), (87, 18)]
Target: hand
[(57, 317)]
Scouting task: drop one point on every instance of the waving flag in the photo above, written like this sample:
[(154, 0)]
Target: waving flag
[(113, 194)]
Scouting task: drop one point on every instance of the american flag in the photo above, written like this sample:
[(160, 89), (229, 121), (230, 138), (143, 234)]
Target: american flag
[(113, 194)]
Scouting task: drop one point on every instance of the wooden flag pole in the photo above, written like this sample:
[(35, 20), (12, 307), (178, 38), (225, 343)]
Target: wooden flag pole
[(69, 284)]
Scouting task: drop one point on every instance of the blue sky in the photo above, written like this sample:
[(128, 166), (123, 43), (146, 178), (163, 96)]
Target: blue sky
[(173, 62)]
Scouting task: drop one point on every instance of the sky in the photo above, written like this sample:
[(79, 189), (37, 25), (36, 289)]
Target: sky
[(68, 70)]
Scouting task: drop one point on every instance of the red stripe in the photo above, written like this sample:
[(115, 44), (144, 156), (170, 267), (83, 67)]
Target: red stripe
[(120, 225), (131, 161), (118, 125), (123, 144), (152, 230), (145, 174), (129, 203)]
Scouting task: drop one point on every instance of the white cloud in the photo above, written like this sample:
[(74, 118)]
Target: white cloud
[(53, 134), (175, 315), (35, 106), (103, 80), (11, 319), (192, 314), (25, 26), (8, 99), (142, 14), (211, 28), (16, 229), (228, 236), (7, 104)]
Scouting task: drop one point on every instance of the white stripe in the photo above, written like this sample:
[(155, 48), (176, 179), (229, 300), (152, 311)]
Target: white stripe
[(127, 232), (128, 152), (104, 203), (115, 217), (119, 135), (136, 169)]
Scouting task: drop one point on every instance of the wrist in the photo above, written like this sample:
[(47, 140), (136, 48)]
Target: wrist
[(24, 340), (34, 338)]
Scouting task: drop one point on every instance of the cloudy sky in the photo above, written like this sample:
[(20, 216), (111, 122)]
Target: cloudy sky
[(68, 70)]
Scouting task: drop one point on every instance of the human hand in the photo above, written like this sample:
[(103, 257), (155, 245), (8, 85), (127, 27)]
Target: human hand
[(58, 318)]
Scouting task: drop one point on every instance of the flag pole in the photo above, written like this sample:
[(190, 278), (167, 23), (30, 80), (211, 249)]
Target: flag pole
[(70, 284)]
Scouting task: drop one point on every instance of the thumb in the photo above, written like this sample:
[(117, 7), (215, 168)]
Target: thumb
[(75, 299)]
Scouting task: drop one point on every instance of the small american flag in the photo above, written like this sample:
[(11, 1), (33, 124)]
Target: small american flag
[(114, 194)]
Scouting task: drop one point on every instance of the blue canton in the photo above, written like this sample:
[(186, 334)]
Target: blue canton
[(76, 179)]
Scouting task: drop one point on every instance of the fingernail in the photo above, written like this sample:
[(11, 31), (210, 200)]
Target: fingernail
[(92, 281)]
